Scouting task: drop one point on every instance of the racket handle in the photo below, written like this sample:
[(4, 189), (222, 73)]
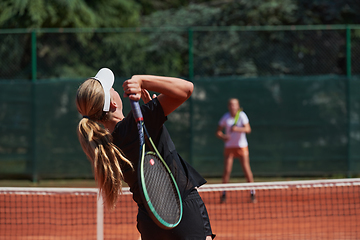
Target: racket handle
[(135, 106)]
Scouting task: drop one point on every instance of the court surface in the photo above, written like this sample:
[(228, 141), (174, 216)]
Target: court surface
[(300, 213)]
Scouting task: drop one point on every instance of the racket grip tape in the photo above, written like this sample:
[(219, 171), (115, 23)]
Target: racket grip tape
[(135, 106)]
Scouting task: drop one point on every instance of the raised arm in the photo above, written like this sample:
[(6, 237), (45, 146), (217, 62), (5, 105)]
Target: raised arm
[(173, 91)]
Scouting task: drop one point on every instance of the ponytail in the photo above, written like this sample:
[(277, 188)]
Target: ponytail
[(97, 144)]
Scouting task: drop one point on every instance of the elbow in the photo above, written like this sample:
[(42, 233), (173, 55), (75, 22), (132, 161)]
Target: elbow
[(190, 89), (247, 129)]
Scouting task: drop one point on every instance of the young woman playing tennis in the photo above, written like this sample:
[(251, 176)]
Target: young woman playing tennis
[(114, 149)]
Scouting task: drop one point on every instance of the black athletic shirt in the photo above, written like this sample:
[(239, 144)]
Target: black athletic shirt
[(125, 136)]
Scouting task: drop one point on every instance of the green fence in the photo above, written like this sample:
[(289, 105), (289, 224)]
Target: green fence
[(299, 86)]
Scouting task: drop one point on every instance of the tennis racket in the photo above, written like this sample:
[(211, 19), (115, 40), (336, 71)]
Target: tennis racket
[(236, 119), (158, 187)]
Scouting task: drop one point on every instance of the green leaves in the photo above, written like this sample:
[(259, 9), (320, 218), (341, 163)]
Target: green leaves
[(68, 14)]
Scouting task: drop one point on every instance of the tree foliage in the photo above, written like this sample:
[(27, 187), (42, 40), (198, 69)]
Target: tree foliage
[(166, 52), (261, 53), (59, 49), (68, 13)]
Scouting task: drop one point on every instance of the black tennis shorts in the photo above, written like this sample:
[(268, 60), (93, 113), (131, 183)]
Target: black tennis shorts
[(194, 225)]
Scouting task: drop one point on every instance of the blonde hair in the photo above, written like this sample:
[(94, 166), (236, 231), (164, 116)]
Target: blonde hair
[(96, 141)]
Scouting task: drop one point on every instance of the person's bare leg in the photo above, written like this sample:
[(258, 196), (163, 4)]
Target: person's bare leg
[(245, 164), (228, 163)]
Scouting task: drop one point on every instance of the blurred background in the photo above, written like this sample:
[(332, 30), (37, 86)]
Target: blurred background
[(293, 64)]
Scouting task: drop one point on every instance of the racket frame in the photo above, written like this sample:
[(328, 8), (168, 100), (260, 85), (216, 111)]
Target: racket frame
[(144, 193), (236, 118)]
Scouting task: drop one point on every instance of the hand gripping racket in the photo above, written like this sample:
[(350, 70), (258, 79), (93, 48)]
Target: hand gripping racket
[(158, 187)]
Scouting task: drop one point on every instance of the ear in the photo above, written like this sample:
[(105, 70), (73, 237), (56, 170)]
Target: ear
[(113, 106)]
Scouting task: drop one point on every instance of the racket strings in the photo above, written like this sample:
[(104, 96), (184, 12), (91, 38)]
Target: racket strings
[(161, 189)]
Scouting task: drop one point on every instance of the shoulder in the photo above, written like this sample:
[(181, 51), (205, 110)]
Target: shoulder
[(243, 114), (153, 106), (244, 117), (153, 114)]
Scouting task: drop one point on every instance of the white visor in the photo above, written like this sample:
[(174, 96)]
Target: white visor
[(106, 77)]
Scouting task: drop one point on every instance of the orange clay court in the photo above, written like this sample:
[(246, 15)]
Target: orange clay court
[(321, 209)]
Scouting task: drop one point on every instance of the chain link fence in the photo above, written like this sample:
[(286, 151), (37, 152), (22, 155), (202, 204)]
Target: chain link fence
[(299, 86)]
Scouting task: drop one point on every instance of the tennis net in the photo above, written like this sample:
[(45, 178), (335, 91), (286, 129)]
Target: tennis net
[(320, 209)]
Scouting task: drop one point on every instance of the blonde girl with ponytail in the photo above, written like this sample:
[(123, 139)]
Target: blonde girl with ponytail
[(96, 141), (110, 141)]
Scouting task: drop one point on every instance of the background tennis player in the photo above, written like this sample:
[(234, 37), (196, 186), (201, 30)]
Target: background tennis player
[(236, 125)]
